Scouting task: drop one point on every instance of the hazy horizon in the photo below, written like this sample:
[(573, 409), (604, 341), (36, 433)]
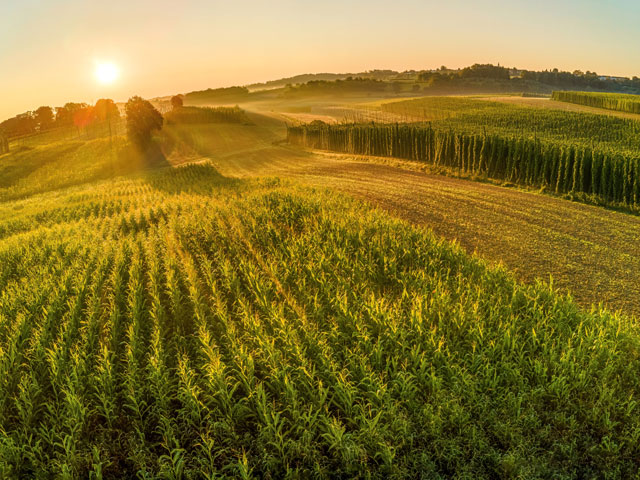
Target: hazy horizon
[(162, 49)]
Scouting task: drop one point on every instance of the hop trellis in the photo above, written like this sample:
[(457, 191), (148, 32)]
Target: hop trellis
[(522, 160)]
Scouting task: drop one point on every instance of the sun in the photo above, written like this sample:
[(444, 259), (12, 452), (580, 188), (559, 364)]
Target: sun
[(106, 72)]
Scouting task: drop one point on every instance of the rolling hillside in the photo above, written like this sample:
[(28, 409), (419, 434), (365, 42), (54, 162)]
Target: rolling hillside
[(226, 307)]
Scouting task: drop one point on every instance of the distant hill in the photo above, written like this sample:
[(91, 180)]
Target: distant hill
[(325, 77), (475, 79), (218, 95)]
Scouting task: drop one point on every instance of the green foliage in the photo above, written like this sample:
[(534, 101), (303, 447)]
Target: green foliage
[(105, 109), (485, 71), (181, 324), (589, 156), (142, 120), (217, 95), (190, 115), (528, 161), (70, 113), (349, 85), (309, 77), (44, 118), (609, 101), (177, 101), (474, 116)]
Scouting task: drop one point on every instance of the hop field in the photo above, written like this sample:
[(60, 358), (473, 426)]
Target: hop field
[(610, 101), (191, 115), (180, 324), (608, 134), (592, 158)]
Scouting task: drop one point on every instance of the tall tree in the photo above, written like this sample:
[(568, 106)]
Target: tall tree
[(65, 115), (44, 118), (142, 120), (106, 109), (177, 101)]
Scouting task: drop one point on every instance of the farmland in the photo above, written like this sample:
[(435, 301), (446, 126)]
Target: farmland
[(187, 322), (593, 157), (231, 315), (312, 240), (610, 101)]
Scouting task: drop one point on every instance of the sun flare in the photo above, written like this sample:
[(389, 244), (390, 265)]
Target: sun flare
[(106, 72)]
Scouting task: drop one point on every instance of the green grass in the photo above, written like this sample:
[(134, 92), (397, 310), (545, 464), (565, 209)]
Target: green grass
[(29, 170)]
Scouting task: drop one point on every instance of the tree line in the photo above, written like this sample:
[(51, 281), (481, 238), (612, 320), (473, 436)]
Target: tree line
[(4, 143), (142, 119), (560, 168), (71, 114), (220, 95), (514, 79)]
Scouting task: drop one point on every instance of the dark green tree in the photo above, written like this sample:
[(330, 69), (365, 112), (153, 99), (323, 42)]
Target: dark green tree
[(142, 120), (177, 101), (4, 143), (65, 115), (44, 118), (106, 109)]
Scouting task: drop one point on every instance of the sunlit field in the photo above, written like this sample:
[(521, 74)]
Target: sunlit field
[(188, 323), (246, 240)]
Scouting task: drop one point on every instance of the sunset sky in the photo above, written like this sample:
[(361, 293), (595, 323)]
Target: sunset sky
[(49, 48)]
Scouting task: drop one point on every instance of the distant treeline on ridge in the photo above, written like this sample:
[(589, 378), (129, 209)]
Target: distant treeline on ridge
[(477, 78)]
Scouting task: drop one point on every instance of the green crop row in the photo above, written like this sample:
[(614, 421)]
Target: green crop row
[(207, 115), (522, 160), (470, 115), (181, 324), (609, 101)]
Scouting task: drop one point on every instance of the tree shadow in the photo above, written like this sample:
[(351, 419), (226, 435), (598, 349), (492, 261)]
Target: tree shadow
[(131, 158), (154, 157), (194, 179)]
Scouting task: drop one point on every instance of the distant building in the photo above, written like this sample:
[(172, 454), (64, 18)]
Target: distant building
[(611, 78)]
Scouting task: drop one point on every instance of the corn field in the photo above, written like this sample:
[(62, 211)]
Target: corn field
[(180, 324), (610, 101), (527, 161)]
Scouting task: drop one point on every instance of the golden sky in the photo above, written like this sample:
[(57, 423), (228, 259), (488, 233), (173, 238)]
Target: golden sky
[(49, 48)]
